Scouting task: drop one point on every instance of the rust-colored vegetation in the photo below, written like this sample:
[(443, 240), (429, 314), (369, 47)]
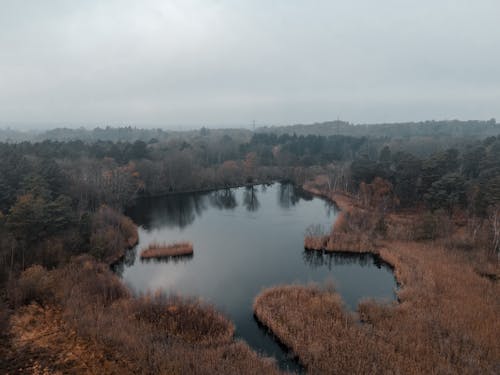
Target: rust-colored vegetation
[(160, 250), (112, 234), (154, 334), (446, 320), (352, 228), (314, 324)]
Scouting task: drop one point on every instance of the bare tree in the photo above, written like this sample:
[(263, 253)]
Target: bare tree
[(494, 217)]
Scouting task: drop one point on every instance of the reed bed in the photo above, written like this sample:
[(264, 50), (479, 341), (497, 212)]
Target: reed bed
[(162, 250), (313, 323), (88, 312), (446, 320)]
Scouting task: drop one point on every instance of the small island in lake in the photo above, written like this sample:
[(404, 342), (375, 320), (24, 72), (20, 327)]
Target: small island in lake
[(160, 250)]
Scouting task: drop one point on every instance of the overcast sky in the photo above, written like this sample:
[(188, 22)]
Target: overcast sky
[(223, 63)]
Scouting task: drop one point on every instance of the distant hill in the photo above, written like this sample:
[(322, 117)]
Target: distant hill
[(119, 134), (473, 129), (451, 128)]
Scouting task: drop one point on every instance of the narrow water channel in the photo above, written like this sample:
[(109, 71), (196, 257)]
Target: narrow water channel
[(247, 239)]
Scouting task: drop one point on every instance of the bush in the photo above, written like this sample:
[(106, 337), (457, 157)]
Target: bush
[(112, 234), (34, 284), (426, 228)]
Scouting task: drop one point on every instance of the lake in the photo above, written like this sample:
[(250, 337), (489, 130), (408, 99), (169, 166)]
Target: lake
[(246, 239)]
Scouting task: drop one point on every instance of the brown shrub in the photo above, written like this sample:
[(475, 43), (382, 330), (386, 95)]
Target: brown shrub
[(34, 284), (447, 318), (155, 334), (112, 234), (439, 327), (185, 319), (314, 324)]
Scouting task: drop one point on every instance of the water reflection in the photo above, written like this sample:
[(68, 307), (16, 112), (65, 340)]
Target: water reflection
[(250, 200), (170, 259), (181, 210), (223, 199), (238, 254), (331, 209), (128, 260), (287, 196), (316, 259), (170, 211), (294, 366)]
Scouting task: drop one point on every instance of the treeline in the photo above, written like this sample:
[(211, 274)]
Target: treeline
[(61, 199), (467, 178), (58, 199), (428, 129), (447, 128), (46, 216), (114, 134)]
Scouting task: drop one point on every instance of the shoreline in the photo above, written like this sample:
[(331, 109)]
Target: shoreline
[(343, 201), (437, 284), (113, 259), (204, 190)]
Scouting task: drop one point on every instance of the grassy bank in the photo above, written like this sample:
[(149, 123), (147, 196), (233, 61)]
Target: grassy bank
[(314, 324), (81, 318), (112, 235), (160, 250), (446, 321)]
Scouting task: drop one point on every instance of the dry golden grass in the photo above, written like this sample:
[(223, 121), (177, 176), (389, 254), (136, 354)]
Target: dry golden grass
[(157, 334), (446, 322), (352, 228), (187, 320), (43, 343), (315, 242), (327, 339), (160, 250)]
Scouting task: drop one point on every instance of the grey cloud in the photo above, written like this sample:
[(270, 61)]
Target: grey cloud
[(226, 63)]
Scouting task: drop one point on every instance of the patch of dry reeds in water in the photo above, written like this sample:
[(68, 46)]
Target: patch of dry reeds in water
[(156, 334), (160, 250)]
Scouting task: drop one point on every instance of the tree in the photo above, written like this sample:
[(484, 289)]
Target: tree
[(437, 166), (448, 192), (54, 177), (365, 170), (249, 165), (406, 176), (494, 219), (471, 161), (385, 155), (33, 218)]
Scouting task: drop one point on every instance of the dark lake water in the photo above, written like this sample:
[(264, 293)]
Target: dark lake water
[(247, 239)]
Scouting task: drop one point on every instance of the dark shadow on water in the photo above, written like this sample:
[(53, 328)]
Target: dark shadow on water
[(128, 260), (250, 199), (171, 211), (170, 259), (289, 361), (320, 258), (287, 196), (182, 209), (224, 199)]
